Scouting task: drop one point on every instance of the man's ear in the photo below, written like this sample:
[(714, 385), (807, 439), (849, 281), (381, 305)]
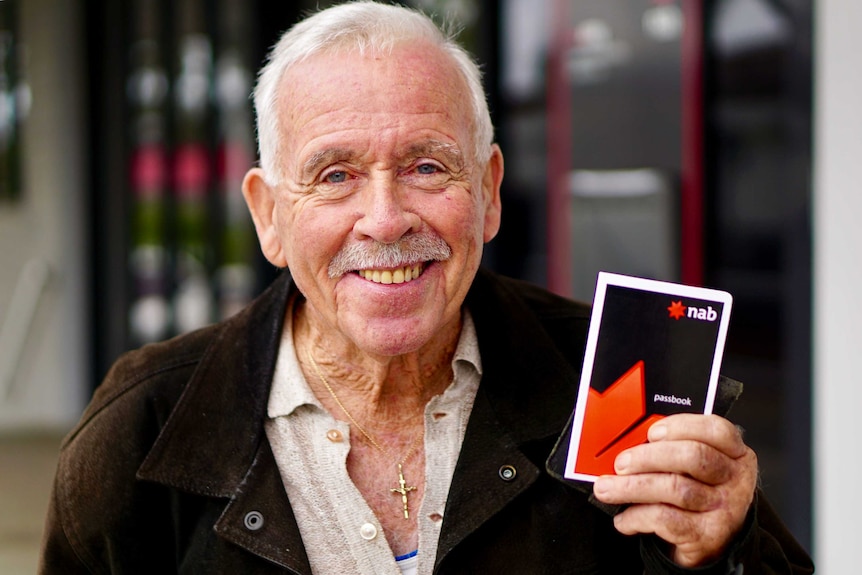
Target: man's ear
[(260, 198), (491, 181)]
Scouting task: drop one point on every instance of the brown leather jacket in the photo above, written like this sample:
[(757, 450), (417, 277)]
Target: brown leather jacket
[(170, 471)]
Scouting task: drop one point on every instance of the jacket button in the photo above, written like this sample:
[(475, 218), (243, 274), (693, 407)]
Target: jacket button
[(507, 473), (253, 520)]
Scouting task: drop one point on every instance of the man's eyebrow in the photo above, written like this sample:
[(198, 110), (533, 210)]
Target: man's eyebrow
[(450, 152), (432, 148), (322, 159)]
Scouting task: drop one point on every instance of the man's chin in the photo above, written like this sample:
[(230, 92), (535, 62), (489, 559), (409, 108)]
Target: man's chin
[(391, 337)]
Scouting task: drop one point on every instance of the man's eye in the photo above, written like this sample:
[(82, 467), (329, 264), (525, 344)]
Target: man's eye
[(427, 169), (336, 177)]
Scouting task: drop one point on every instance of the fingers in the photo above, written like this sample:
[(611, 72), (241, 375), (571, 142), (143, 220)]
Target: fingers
[(696, 539), (712, 430), (693, 458), (690, 456), (691, 485), (702, 446), (685, 474), (663, 520), (670, 488)]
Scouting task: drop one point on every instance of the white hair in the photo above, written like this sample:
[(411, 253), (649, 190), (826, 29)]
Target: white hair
[(364, 27)]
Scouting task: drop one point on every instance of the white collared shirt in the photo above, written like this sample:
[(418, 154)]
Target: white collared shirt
[(339, 530)]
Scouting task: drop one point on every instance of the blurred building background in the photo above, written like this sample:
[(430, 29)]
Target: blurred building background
[(674, 139)]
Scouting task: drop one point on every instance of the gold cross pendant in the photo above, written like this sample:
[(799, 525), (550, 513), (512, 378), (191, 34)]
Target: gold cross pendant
[(403, 490)]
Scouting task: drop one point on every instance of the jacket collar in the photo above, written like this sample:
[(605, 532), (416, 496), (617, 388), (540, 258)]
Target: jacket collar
[(214, 443), (217, 423)]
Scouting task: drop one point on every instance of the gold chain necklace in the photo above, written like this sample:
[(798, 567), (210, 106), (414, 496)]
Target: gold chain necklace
[(403, 489)]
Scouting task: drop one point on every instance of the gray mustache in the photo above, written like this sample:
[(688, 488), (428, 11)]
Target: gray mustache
[(411, 249)]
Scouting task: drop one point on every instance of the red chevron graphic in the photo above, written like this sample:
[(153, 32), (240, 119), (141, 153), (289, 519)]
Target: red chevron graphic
[(614, 421)]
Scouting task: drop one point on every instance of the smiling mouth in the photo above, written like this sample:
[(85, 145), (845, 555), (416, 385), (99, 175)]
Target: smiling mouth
[(393, 276)]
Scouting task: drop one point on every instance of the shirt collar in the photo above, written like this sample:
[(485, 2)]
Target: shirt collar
[(290, 390)]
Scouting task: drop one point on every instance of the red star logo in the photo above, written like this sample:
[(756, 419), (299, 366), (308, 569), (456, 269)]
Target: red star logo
[(676, 309)]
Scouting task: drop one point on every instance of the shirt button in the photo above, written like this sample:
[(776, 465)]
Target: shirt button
[(334, 436), (368, 531)]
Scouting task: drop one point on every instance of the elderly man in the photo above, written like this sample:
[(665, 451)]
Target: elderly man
[(386, 407)]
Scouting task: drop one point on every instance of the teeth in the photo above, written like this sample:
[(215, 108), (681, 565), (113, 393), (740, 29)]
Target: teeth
[(396, 276)]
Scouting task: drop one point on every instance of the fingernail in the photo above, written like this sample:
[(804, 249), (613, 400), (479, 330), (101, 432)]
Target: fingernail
[(600, 487), (622, 462), (657, 432)]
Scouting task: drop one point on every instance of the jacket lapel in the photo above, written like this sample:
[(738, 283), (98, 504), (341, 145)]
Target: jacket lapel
[(259, 517), (479, 490), (214, 442), (526, 395)]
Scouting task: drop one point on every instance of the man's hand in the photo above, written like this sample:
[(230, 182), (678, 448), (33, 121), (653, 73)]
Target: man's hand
[(691, 485)]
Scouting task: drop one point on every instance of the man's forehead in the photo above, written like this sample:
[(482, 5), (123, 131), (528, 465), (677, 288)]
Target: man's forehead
[(421, 61), (346, 104)]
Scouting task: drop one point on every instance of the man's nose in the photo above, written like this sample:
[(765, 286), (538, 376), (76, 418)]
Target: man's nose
[(385, 216)]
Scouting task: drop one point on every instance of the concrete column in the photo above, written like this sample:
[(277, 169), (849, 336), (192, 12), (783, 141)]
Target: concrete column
[(837, 378)]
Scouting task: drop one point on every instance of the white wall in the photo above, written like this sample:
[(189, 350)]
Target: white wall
[(45, 387), (837, 286)]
